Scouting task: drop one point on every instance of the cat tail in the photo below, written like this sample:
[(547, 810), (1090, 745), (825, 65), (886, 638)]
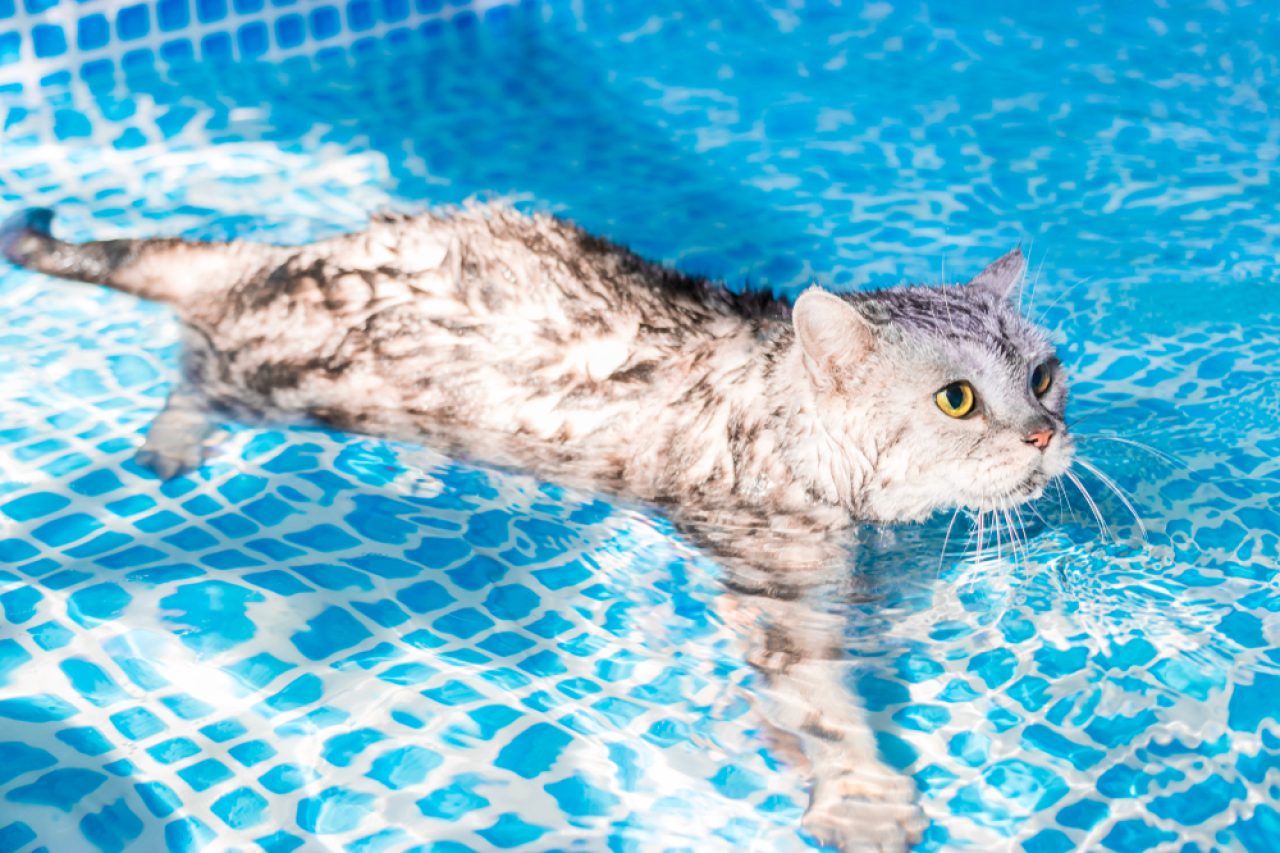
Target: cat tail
[(175, 272)]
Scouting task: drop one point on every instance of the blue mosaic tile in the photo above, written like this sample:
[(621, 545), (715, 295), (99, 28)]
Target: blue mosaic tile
[(334, 811), (62, 788), (241, 809), (20, 759), (498, 655)]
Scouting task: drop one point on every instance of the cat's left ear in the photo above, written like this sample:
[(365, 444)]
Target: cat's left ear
[(1002, 277)]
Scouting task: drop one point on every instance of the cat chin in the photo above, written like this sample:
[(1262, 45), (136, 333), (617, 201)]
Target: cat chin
[(903, 512), (1028, 489)]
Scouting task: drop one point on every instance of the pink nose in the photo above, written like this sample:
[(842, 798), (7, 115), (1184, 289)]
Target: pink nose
[(1040, 439)]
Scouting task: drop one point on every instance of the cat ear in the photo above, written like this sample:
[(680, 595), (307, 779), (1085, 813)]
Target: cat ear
[(1002, 277), (830, 332)]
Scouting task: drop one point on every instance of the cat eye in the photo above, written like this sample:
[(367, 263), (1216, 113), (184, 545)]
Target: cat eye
[(956, 399), (1041, 379)]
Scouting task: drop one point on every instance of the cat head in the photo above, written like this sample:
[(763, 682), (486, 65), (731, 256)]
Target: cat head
[(930, 398)]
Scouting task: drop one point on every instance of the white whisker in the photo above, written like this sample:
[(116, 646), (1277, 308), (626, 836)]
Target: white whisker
[(1159, 454), (1031, 507), (1111, 484), (1040, 319), (1018, 533), (1008, 526), (981, 518), (1064, 503), (1035, 280), (1097, 514), (946, 539), (995, 525), (1022, 532)]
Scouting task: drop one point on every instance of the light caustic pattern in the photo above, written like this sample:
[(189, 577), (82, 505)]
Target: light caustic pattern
[(322, 641)]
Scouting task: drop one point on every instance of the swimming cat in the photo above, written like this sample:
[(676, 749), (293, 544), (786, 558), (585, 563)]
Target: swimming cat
[(766, 430)]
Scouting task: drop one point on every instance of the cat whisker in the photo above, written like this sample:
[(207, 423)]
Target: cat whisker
[(951, 321), (1112, 409), (1093, 506), (999, 525), (947, 539), (1054, 304), (1111, 484), (981, 517), (993, 530), (1035, 280), (1008, 526), (1064, 503), (1031, 507), (995, 527), (1159, 454), (1089, 415), (1022, 532)]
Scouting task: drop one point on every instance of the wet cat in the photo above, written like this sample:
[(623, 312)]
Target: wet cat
[(765, 430)]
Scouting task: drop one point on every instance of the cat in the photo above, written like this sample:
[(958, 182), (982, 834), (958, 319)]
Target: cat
[(766, 430)]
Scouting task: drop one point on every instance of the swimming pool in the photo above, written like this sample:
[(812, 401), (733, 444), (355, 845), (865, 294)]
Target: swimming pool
[(322, 641)]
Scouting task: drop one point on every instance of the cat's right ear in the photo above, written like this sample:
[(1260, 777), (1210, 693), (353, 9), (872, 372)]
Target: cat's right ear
[(1002, 276), (831, 334)]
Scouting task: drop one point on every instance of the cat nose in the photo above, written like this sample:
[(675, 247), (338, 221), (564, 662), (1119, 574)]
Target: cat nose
[(1040, 439)]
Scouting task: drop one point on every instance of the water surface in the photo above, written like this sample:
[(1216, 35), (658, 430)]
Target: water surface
[(321, 638)]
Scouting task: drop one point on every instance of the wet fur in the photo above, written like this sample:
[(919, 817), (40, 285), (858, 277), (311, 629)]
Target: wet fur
[(763, 428)]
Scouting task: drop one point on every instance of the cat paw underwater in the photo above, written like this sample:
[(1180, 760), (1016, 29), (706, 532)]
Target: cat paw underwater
[(867, 808)]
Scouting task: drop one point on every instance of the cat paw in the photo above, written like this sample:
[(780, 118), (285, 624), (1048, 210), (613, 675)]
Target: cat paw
[(869, 810), (168, 463)]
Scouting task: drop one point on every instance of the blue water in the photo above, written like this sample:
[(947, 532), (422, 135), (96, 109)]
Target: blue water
[(323, 640)]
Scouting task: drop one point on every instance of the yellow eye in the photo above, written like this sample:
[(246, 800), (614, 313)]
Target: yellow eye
[(1041, 379), (956, 399)]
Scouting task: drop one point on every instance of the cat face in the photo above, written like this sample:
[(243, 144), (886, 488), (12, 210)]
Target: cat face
[(936, 397)]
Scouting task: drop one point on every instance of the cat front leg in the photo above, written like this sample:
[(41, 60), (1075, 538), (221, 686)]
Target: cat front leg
[(787, 580), (857, 802), (175, 442)]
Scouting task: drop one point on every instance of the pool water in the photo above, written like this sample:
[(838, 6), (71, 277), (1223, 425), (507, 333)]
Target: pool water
[(324, 641)]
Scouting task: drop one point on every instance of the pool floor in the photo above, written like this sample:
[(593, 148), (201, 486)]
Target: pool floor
[(324, 641)]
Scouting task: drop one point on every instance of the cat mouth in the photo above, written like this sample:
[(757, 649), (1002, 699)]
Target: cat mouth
[(1030, 488), (1032, 485), (1027, 489)]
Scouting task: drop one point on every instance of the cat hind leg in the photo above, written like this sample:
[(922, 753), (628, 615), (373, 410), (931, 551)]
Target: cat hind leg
[(176, 439)]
